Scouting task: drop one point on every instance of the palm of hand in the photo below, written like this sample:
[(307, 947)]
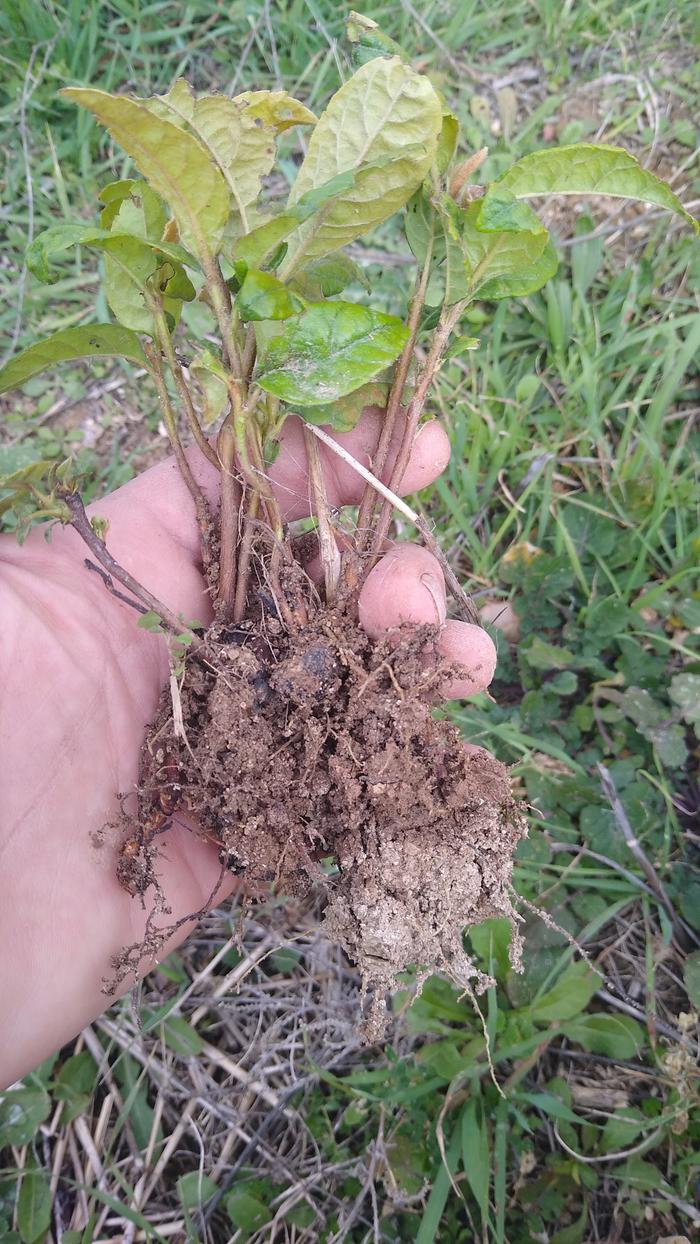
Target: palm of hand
[(80, 684)]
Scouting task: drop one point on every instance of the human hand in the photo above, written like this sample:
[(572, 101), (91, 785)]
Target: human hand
[(80, 682)]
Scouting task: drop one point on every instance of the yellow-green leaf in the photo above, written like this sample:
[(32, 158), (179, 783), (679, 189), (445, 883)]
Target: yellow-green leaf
[(386, 117), (275, 108), (173, 162), (210, 378), (130, 266), (240, 143), (140, 211)]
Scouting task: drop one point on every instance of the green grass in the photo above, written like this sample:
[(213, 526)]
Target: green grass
[(572, 493)]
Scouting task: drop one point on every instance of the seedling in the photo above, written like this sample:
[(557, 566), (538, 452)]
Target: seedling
[(296, 737)]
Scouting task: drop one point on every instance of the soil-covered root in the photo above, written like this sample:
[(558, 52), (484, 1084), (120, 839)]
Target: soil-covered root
[(302, 750)]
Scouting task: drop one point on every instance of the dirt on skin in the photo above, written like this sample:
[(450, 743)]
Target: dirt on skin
[(296, 750)]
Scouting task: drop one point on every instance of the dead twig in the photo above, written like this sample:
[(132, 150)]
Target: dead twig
[(635, 849), (80, 522)]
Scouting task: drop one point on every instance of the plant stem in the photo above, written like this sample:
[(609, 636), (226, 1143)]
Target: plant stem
[(250, 454), (449, 318), (330, 553), (367, 505), (221, 302), (244, 555), (166, 344), (249, 350), (200, 502), (469, 613), (81, 523), (228, 518)]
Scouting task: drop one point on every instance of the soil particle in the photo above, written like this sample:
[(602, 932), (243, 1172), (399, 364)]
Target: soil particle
[(323, 744)]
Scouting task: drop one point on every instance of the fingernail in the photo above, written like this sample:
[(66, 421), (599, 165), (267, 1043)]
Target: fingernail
[(434, 586)]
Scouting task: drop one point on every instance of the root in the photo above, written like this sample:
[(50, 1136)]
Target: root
[(130, 959), (311, 742)]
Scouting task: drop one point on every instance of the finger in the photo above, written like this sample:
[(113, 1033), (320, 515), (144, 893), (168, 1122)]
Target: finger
[(429, 457), (470, 646), (407, 586)]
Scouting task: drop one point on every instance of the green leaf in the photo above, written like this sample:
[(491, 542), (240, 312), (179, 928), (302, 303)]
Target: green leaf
[(552, 1105), (429, 1227), (180, 1036), (568, 997), (131, 267), (151, 621), (669, 741), (131, 262), (691, 977), (685, 692), (575, 1233), (324, 278), (543, 656), (173, 162), (263, 297), (368, 39), (652, 721), (343, 414), (135, 1084), (420, 223), (504, 264), (586, 168), (618, 1036), (623, 1129), (330, 350), (502, 210), (22, 1111), (88, 341), (447, 140), (637, 1173), (151, 210), (386, 115), (461, 345), (443, 1058), (194, 1188), (34, 1205), (246, 1212), (75, 1084), (60, 238), (210, 378), (274, 108), (476, 1155), (237, 139)]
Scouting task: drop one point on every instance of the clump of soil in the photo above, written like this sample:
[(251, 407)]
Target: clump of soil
[(297, 750)]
